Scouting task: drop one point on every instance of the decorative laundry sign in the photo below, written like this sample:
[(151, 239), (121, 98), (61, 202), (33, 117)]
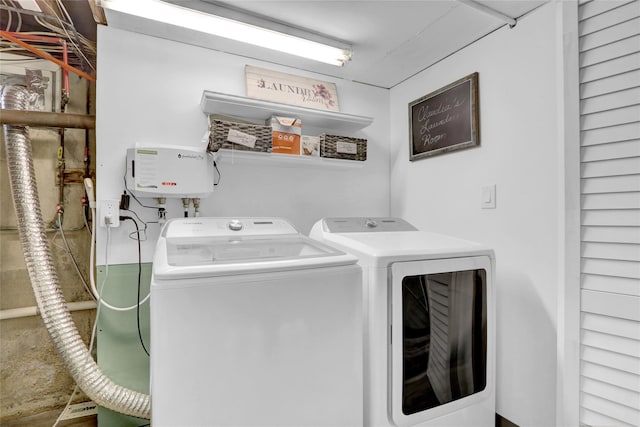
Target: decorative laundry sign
[(290, 89)]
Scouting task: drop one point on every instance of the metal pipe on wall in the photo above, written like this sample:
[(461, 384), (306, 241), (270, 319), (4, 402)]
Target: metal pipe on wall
[(46, 119), (15, 313)]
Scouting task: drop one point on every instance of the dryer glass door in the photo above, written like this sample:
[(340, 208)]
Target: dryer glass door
[(439, 335)]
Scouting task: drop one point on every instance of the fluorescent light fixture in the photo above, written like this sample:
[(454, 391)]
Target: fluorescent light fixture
[(227, 28)]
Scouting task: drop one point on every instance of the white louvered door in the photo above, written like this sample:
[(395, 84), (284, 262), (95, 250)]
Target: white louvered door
[(609, 33)]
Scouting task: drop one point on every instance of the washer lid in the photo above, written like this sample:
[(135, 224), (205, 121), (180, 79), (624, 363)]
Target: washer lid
[(211, 254), (221, 250)]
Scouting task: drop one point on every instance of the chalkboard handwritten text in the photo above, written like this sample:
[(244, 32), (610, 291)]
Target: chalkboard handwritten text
[(444, 119), (432, 121)]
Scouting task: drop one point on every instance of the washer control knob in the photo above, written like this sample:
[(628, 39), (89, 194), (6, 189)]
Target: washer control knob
[(371, 223), (235, 225)]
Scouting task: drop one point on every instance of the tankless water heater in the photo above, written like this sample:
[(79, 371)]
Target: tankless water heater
[(171, 172)]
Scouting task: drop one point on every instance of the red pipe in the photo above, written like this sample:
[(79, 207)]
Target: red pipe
[(65, 72), (44, 55)]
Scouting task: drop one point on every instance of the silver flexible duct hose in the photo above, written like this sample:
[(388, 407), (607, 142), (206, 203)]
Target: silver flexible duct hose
[(44, 279)]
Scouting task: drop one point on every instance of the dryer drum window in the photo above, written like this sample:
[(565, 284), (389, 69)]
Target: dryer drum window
[(444, 338)]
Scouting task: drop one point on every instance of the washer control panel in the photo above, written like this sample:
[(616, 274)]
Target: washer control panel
[(366, 225), (235, 225), (220, 227)]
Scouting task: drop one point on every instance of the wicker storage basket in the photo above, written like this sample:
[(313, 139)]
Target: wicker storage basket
[(343, 147), (219, 131)]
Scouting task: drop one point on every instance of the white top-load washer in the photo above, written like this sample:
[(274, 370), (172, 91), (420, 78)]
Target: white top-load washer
[(429, 322), (253, 324)]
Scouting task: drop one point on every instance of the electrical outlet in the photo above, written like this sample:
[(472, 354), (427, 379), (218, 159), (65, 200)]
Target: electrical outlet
[(109, 213)]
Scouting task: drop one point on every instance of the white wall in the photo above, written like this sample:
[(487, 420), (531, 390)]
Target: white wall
[(519, 153), (149, 91)]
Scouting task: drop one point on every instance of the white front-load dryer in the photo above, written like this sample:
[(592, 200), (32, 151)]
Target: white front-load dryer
[(429, 323), (253, 324)]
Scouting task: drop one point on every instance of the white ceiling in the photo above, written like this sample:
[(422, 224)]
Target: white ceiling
[(391, 40)]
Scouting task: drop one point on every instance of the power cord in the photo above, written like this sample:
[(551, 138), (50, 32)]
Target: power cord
[(92, 281), (141, 235), (124, 218), (215, 166)]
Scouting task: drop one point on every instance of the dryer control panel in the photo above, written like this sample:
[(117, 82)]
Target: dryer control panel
[(366, 225)]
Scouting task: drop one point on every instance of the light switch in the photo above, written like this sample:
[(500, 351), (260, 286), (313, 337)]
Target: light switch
[(488, 197)]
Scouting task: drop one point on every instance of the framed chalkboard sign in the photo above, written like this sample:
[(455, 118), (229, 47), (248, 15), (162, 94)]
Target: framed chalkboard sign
[(445, 120)]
